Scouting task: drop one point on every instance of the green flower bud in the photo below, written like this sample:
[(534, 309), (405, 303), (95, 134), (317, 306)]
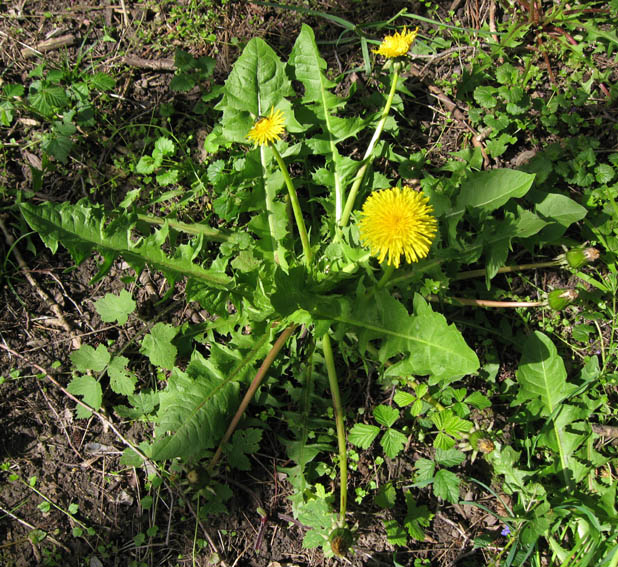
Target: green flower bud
[(577, 257), (560, 298), (341, 539), (480, 441)]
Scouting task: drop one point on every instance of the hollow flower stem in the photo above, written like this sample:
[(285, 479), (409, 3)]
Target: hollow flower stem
[(298, 213), (343, 455), (367, 159)]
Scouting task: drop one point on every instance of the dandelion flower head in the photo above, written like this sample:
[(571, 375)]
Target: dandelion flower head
[(395, 222), (398, 44), (267, 129)]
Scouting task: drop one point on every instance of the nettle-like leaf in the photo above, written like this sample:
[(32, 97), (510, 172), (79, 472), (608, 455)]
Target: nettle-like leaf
[(362, 435), (121, 380), (257, 83), (90, 391), (158, 347), (87, 358), (393, 442), (117, 308), (446, 486), (84, 227), (245, 442)]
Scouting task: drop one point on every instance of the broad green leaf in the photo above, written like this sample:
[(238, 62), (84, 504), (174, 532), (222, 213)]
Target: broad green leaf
[(256, 84), (446, 486), (6, 112), (417, 518), (362, 435), (245, 442), (489, 190), (485, 96), (449, 457), (385, 415), (84, 227), (478, 400), (90, 390), (158, 347), (117, 308), (541, 375), (561, 209), (121, 380), (403, 399), (450, 424), (47, 99), (87, 358), (386, 496), (395, 534), (102, 81), (425, 469), (393, 442), (429, 345), (195, 407), (165, 146)]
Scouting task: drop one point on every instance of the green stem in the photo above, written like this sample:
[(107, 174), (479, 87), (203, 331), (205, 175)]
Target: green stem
[(390, 269), (270, 357), (349, 204), (270, 211), (208, 232), (343, 455), (298, 213)]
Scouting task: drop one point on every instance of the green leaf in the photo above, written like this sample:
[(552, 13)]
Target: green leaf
[(561, 209), (393, 442), (485, 96), (158, 347), (165, 146), (121, 380), (386, 496), (245, 442), (450, 424), (102, 81), (446, 486), (147, 164), (196, 405), (47, 99), (403, 399), (489, 190), (117, 308), (362, 435), (83, 227), (167, 177), (395, 534), (541, 375), (429, 345), (181, 83), (256, 84), (417, 518), (478, 400), (449, 457), (86, 358), (6, 112), (90, 391), (385, 415)]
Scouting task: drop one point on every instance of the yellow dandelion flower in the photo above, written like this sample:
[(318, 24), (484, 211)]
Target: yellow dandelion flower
[(398, 44), (267, 129), (395, 222)]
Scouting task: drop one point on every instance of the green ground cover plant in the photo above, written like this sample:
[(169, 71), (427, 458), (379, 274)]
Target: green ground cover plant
[(324, 250)]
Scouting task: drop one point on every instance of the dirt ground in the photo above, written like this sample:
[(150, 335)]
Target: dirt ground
[(64, 497)]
